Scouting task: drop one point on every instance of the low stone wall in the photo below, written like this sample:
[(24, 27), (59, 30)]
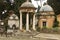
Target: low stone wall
[(51, 31)]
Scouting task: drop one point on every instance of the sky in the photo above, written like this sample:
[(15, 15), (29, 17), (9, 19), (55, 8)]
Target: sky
[(38, 2)]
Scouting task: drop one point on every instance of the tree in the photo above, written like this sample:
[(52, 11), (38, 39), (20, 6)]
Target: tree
[(2, 7), (6, 5), (55, 22), (55, 4)]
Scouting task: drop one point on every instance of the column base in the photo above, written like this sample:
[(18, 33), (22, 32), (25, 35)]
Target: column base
[(28, 31), (34, 29), (22, 30)]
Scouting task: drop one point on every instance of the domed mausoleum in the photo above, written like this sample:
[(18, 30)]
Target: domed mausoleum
[(27, 16), (46, 17)]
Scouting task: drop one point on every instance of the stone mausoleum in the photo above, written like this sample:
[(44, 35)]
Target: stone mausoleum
[(13, 20), (46, 17)]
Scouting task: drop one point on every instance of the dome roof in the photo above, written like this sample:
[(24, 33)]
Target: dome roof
[(27, 4), (46, 8)]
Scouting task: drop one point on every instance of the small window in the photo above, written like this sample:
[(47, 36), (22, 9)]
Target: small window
[(44, 24)]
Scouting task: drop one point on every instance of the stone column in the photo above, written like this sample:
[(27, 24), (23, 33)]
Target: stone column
[(34, 22), (20, 20), (27, 22)]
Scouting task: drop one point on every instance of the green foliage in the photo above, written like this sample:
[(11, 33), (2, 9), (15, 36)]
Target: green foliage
[(44, 27), (56, 28), (55, 22), (38, 28)]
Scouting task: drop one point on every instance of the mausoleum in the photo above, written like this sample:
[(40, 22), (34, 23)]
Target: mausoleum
[(46, 17)]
